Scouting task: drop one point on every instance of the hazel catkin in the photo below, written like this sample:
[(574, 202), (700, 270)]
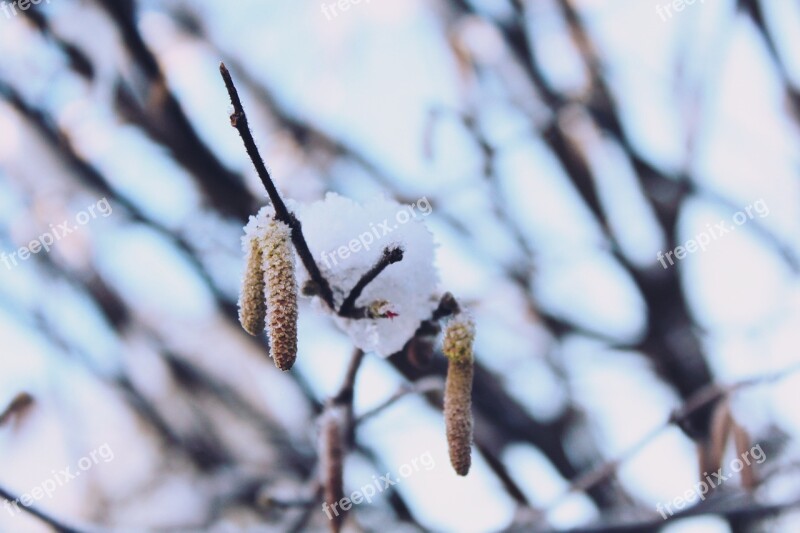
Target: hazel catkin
[(459, 336), (252, 303), (281, 293)]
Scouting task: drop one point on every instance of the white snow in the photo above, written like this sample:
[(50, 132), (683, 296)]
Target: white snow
[(257, 226), (347, 239)]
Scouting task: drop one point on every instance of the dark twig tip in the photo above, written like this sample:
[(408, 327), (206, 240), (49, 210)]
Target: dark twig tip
[(448, 306), (391, 255)]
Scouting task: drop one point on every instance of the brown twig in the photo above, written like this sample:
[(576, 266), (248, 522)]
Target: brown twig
[(47, 519), (422, 386), (18, 406), (391, 255), (282, 213), (700, 399), (345, 394), (734, 510), (239, 121)]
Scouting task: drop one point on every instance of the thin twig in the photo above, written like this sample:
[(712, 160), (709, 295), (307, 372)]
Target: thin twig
[(700, 399), (301, 523), (239, 121), (345, 394), (422, 386), (735, 510), (47, 519), (279, 503), (18, 405), (391, 255)]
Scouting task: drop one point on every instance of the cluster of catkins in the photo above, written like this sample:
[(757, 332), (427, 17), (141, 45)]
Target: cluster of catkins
[(268, 301)]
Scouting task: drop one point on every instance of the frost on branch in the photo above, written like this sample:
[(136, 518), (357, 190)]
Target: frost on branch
[(347, 239)]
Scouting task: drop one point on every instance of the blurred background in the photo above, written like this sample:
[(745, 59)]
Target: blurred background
[(562, 144)]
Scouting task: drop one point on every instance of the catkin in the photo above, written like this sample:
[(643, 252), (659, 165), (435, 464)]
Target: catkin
[(458, 339), (252, 304), (281, 293)]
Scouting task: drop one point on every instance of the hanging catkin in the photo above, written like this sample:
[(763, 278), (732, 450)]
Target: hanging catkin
[(459, 336), (281, 293), (252, 303)]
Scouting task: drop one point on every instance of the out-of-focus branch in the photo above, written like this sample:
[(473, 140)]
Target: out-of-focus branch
[(56, 524), (18, 406), (422, 386), (699, 400), (157, 110), (734, 510)]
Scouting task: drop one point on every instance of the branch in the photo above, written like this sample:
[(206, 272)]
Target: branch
[(18, 406), (239, 121), (345, 394), (390, 256), (700, 399), (47, 519), (278, 503), (735, 510), (422, 386)]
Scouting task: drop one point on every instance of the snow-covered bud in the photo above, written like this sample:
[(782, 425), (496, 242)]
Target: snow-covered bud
[(459, 336), (281, 293), (252, 303)]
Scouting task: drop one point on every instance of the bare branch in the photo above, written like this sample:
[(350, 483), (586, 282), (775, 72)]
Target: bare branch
[(47, 519), (423, 386), (18, 406), (699, 400), (239, 121), (391, 255)]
